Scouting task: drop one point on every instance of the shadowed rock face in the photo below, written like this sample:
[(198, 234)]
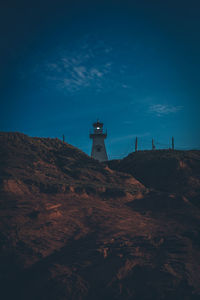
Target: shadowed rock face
[(73, 228), (165, 170)]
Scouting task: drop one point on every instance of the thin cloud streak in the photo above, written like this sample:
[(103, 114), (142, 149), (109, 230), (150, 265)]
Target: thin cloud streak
[(161, 109), (126, 137)]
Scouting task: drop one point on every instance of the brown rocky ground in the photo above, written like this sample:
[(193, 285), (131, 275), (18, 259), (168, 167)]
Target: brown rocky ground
[(73, 228)]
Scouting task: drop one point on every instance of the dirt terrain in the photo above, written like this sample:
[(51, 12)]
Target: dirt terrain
[(74, 228)]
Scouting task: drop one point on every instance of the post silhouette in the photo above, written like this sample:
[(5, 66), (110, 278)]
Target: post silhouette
[(136, 144), (153, 146), (172, 143)]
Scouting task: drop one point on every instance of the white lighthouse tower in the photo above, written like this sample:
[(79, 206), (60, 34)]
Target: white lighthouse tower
[(98, 145)]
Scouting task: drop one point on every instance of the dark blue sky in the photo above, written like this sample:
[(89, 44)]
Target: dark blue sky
[(132, 64)]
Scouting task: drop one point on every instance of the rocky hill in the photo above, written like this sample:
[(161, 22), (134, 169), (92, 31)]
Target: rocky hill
[(168, 171), (74, 228)]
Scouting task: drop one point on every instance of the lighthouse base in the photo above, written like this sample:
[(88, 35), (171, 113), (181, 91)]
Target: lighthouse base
[(99, 149)]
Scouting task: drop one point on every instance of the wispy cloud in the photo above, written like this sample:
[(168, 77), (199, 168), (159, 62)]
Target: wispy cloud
[(125, 86), (128, 122), (127, 137), (161, 109), (74, 74), (86, 65)]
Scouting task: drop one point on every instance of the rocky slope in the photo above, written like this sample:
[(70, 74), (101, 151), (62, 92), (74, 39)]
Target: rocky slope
[(168, 171), (73, 228)]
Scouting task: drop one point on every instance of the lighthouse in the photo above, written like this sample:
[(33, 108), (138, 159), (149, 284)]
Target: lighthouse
[(98, 145)]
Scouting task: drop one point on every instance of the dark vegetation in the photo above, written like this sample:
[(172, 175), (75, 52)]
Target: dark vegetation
[(165, 170), (174, 168), (73, 228)]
